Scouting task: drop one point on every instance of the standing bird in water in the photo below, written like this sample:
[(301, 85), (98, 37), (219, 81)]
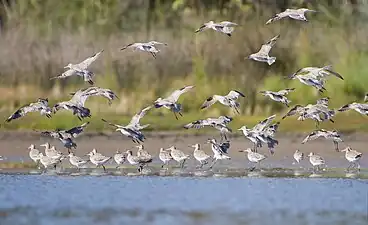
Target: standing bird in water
[(298, 156), (170, 102)]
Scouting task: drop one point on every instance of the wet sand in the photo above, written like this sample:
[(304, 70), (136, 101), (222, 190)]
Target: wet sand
[(13, 146)]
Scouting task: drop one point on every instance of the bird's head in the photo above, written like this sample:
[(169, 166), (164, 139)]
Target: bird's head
[(68, 66), (250, 56), (310, 154), (46, 145), (171, 148), (246, 150), (195, 146), (129, 152), (31, 146), (347, 149), (243, 128)]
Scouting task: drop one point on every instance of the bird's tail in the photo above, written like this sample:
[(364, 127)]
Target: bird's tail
[(271, 60)]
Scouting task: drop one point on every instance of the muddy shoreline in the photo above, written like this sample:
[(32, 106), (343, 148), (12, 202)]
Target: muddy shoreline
[(14, 144)]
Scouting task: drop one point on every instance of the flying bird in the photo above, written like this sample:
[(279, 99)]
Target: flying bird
[(310, 80), (70, 133), (145, 47), (97, 91), (40, 106), (359, 107), (225, 27), (329, 135), (263, 54), (217, 123), (77, 103), (319, 72), (80, 69), (132, 130), (279, 96), (227, 100), (296, 14), (170, 102)]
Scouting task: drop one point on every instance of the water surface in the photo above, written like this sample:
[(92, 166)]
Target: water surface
[(45, 199)]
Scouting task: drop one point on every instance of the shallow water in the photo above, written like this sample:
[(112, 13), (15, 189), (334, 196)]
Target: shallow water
[(189, 199)]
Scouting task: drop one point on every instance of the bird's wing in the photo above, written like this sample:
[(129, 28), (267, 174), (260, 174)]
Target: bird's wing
[(80, 97), (291, 112), (228, 24), (297, 16), (77, 130), (87, 62), (276, 17), (234, 94), (201, 28), (285, 91), (131, 45), (328, 69), (266, 48), (344, 108), (112, 124), (137, 117), (196, 124), (209, 101), (176, 94), (68, 73), (312, 136), (22, 111), (263, 124)]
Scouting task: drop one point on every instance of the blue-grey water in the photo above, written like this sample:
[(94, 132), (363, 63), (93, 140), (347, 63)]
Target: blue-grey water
[(44, 199)]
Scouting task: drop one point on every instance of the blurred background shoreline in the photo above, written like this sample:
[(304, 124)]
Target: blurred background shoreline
[(38, 38)]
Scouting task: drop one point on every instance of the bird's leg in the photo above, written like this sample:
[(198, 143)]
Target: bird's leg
[(213, 163), (117, 166), (182, 164), (348, 168), (153, 54), (180, 114), (175, 116), (336, 146), (103, 167), (237, 110), (358, 166), (55, 166)]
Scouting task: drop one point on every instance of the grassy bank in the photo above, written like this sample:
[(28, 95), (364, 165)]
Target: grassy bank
[(211, 61)]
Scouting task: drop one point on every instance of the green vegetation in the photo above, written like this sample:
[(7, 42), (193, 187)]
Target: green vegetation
[(39, 37)]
